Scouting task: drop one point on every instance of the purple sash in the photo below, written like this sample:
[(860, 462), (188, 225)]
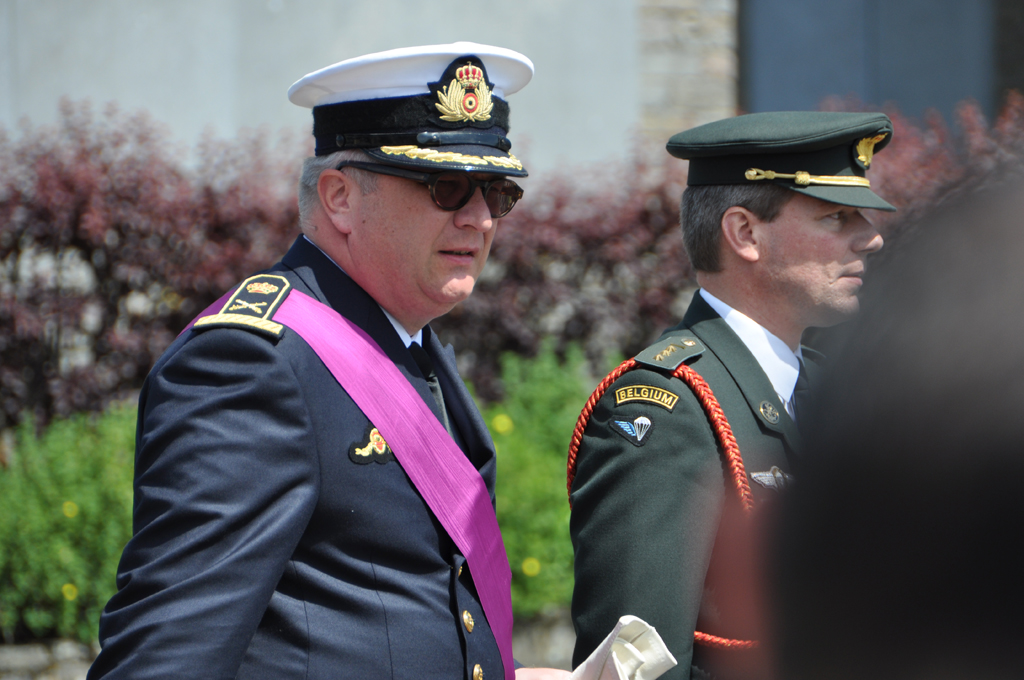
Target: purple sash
[(452, 488)]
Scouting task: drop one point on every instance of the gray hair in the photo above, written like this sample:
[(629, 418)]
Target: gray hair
[(314, 166), (702, 210)]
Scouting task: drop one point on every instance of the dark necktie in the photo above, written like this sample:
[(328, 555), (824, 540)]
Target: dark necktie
[(427, 369), (801, 392)]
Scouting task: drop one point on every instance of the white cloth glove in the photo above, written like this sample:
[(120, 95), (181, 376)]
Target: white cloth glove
[(632, 651)]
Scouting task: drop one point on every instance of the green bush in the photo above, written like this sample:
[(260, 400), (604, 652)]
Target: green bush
[(531, 429), (65, 516), (66, 502)]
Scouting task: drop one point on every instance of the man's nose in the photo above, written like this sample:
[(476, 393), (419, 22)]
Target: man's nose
[(475, 214), (869, 240), (875, 244)]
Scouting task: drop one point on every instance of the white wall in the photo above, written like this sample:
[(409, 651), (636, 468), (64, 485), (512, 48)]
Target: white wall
[(228, 64)]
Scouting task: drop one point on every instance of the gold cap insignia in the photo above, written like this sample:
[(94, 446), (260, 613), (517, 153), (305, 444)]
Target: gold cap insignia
[(866, 148), (466, 97)]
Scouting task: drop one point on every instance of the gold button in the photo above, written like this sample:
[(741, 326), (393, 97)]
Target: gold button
[(467, 619), (460, 571), (478, 673)]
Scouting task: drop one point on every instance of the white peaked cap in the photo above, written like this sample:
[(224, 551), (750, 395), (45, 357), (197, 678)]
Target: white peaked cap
[(406, 72)]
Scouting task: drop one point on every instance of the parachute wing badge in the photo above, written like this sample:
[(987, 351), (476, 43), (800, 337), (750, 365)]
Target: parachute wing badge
[(774, 479), (634, 431)]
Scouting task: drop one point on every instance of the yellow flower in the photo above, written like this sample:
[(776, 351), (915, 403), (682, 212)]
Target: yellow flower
[(69, 590), (70, 510), (502, 424), (531, 566)]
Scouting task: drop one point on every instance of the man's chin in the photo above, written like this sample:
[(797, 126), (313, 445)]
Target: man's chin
[(457, 289), (837, 313), (451, 295)]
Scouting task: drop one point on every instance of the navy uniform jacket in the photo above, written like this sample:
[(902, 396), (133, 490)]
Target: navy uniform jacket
[(263, 547), (647, 519)]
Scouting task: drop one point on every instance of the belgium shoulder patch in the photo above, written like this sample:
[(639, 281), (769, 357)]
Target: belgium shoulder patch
[(668, 353), (252, 306)]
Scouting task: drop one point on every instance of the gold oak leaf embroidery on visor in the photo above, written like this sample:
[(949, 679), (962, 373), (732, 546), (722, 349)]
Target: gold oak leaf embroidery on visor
[(451, 157)]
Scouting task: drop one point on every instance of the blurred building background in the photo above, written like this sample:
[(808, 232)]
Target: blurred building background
[(607, 70), (918, 54), (597, 265)]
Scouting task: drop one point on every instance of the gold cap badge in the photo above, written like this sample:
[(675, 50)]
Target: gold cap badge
[(466, 97), (866, 149)]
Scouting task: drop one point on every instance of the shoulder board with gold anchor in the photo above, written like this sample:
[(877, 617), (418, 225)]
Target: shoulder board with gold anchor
[(251, 307), (668, 353)]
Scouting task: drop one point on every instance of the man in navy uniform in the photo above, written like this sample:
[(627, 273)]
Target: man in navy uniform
[(277, 534), (772, 224)]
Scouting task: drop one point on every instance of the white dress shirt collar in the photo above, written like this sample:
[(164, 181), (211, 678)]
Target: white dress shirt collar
[(778, 362), (402, 333), (417, 337)]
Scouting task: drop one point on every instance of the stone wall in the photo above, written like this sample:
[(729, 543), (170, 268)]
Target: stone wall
[(545, 640), (60, 660), (687, 62)]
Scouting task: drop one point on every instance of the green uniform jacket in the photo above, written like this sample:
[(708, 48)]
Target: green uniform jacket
[(647, 521)]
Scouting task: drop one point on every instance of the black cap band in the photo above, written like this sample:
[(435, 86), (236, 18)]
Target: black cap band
[(422, 139), (405, 116), (732, 169)]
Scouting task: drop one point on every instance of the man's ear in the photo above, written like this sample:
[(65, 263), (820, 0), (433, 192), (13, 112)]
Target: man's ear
[(739, 234), (339, 198)]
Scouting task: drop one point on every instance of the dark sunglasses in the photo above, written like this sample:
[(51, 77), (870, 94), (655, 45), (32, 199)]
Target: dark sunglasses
[(452, 190)]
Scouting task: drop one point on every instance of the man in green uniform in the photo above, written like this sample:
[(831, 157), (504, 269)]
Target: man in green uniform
[(773, 226)]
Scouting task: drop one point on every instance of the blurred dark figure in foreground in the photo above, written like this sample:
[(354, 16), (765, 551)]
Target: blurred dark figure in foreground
[(902, 554)]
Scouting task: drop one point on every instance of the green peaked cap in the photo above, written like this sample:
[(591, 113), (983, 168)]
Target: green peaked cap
[(817, 153)]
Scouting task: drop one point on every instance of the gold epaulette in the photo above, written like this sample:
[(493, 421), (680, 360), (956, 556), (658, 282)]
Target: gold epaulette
[(252, 306)]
